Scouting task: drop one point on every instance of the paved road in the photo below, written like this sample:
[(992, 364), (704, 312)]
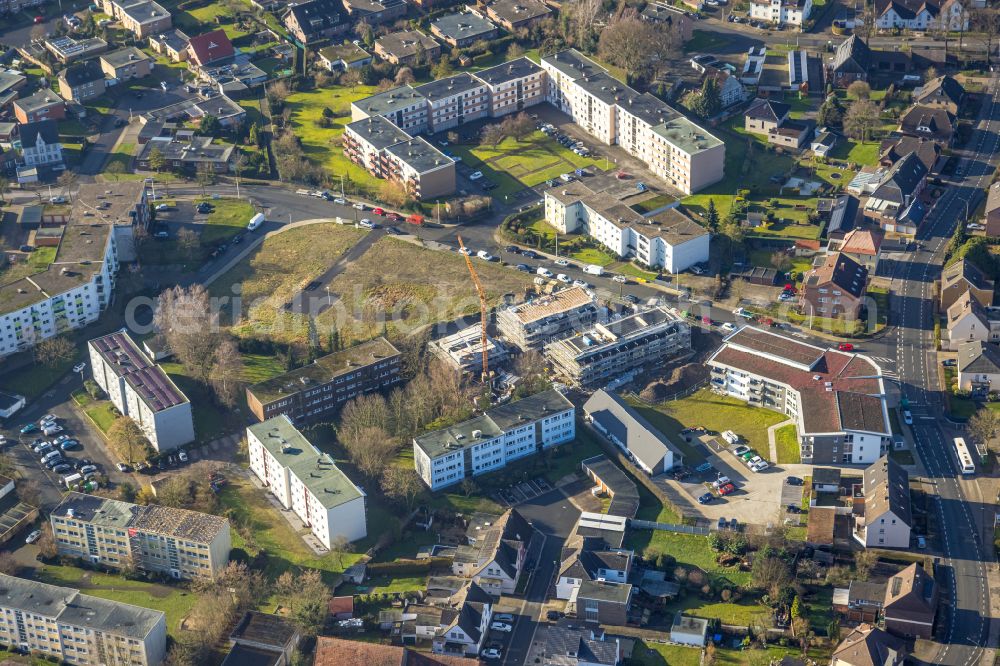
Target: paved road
[(966, 627)]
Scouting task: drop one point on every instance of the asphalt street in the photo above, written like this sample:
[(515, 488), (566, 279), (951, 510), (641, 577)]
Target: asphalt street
[(958, 505)]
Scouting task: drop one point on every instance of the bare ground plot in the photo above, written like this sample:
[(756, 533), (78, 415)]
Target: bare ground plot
[(279, 268), (398, 286)]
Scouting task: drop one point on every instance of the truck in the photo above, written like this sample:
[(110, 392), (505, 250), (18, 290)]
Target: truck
[(415, 219), (255, 221), (593, 269), (72, 479)]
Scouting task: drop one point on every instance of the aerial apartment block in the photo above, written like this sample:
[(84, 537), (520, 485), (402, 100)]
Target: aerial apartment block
[(324, 385), (306, 481), (74, 628), (141, 390), (488, 442), (532, 324), (76, 287), (837, 399), (674, 148), (183, 544), (611, 349)]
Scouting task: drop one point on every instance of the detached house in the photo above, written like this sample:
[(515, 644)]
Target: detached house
[(992, 212), (731, 90), (929, 122), (864, 247), (836, 289), (967, 320), (315, 22), (82, 82), (763, 116), (44, 104), (209, 48), (884, 518), (869, 646), (781, 12), (978, 367), (927, 150), (964, 276), (911, 599), (898, 191), (495, 555), (582, 564), (39, 142), (943, 92)]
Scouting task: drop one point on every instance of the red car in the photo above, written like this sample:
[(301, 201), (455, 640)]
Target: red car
[(393, 217), (39, 19), (727, 489), (845, 346), (378, 211)]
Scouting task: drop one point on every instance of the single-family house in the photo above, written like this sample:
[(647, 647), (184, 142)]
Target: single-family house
[(82, 81), (791, 134), (860, 602), (39, 143), (765, 115), (496, 558), (897, 147), (929, 122), (315, 22), (884, 517), (581, 564), (731, 89), (965, 276), (895, 193), (864, 246), (942, 92), (992, 213), (42, 105), (911, 599), (823, 142), (342, 57), (966, 320), (978, 367), (854, 61), (603, 602), (868, 645), (836, 289), (209, 48)]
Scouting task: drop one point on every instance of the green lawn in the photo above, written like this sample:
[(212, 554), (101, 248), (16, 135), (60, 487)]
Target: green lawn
[(102, 413), (387, 585), (175, 602), (703, 40), (593, 256), (692, 551), (786, 440), (33, 380), (714, 412), (763, 258), (36, 262), (740, 613), (856, 152), (259, 368), (631, 270), (228, 219), (210, 421), (662, 654)]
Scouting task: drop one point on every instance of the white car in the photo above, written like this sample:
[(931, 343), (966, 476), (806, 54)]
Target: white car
[(162, 207), (759, 466), (340, 201), (501, 626), (79, 367), (620, 278), (785, 296), (48, 418), (544, 272), (466, 251), (52, 429), (721, 481), (562, 277), (581, 283), (88, 469), (561, 262), (756, 460), (57, 200), (974, 226), (907, 417), (182, 456), (315, 193), (33, 537), (475, 175), (122, 467), (366, 223), (730, 437), (490, 653), (728, 327), (359, 206)]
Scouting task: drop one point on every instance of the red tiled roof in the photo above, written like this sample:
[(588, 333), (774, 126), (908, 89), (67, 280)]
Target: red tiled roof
[(849, 402), (863, 241), (341, 605), (341, 652), (211, 46)]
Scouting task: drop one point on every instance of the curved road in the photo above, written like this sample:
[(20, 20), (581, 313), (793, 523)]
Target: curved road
[(959, 505)]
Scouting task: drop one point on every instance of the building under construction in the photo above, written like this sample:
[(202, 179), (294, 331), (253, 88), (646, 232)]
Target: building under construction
[(464, 350), (534, 324)]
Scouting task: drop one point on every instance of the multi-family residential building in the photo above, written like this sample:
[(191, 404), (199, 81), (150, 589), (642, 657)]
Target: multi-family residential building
[(966, 320), (375, 12), (315, 21), (616, 348), (496, 553), (942, 92), (404, 107), (407, 47), (462, 29), (835, 289), (345, 56), (532, 324), (581, 564), (885, 516), (127, 63), (141, 390), (921, 15), (978, 368), (455, 100), (781, 12), (868, 645), (514, 14), (898, 190), (911, 601), (143, 18), (864, 246), (307, 481), (43, 105), (194, 109), (666, 239), (571, 645), (488, 442), (602, 601), (991, 217), (674, 148), (78, 285), (836, 399), (39, 143), (513, 86), (81, 82), (643, 444), (327, 383), (463, 350), (152, 538), (74, 628), (172, 43)]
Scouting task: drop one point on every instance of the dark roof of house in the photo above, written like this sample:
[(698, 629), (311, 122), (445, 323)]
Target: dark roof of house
[(824, 476), (83, 72), (902, 180), (841, 271), (47, 129), (624, 494), (911, 595), (577, 643), (247, 655), (852, 55), (211, 46), (895, 149), (978, 357), (508, 71), (887, 488), (906, 9), (765, 109), (869, 646), (929, 121), (942, 89), (630, 428), (315, 16), (993, 198), (866, 592), (965, 270)]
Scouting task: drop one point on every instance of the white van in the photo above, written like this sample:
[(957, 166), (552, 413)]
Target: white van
[(50, 455), (544, 272), (68, 481), (256, 221), (593, 269), (731, 437)]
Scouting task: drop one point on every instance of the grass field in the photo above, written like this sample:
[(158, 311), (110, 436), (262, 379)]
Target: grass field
[(631, 270), (277, 269), (259, 368), (763, 258), (690, 550), (210, 421), (714, 412), (514, 165), (742, 613), (786, 440), (321, 144), (424, 287), (34, 379), (229, 217), (594, 256), (102, 413), (856, 152), (662, 654)]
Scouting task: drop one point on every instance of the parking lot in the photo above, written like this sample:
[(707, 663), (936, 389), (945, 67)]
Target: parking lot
[(522, 492)]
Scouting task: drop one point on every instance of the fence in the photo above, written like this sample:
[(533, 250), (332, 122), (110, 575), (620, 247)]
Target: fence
[(667, 527)]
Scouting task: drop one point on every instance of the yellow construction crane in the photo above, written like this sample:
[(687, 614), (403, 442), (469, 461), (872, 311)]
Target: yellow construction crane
[(482, 309)]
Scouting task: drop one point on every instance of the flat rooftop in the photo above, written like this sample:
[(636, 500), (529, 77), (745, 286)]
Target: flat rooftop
[(348, 52), (463, 25), (404, 44), (147, 379), (449, 87), (420, 155), (508, 71), (145, 11), (265, 629), (618, 331), (687, 136), (126, 56), (553, 304), (390, 101), (378, 131), (324, 369), (315, 469)]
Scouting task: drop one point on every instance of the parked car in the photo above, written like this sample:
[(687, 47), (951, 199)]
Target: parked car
[(503, 617), (466, 251), (359, 206), (340, 201), (501, 626), (182, 456), (70, 445), (52, 429), (561, 262), (562, 277), (949, 363), (48, 418), (730, 437), (907, 417), (79, 367), (87, 469), (721, 481), (792, 508), (35, 535), (845, 347), (475, 175), (484, 255), (490, 653), (553, 615), (524, 268), (760, 466), (728, 327), (794, 481), (62, 468), (740, 450), (44, 447), (921, 542), (727, 489), (122, 467), (580, 283), (366, 224), (620, 278), (706, 498)]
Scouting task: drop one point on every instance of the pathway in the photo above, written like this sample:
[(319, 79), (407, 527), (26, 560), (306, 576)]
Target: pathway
[(772, 444)]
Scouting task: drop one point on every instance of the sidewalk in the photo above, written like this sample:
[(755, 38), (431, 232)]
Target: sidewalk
[(772, 443)]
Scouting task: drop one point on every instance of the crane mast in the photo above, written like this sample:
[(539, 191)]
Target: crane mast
[(482, 309)]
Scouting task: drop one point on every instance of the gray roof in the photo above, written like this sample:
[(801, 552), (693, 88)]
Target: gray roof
[(84, 72), (614, 593), (68, 606), (887, 488), (463, 25), (40, 100), (943, 88), (449, 87), (264, 629), (125, 56), (825, 476), (508, 71), (964, 269), (901, 180), (146, 11), (687, 136), (390, 101), (378, 131), (765, 109), (577, 644), (420, 155), (629, 427), (405, 43), (47, 129), (978, 357), (625, 496)]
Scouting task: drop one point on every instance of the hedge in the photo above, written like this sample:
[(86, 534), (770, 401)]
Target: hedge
[(407, 567)]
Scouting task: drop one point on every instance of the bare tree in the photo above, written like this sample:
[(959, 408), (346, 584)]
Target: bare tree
[(401, 484), (861, 118), (312, 602), (128, 441), (365, 411), (781, 261), (492, 135), (637, 46), (226, 377), (582, 16), (187, 243), (859, 90), (190, 326), (519, 126), (987, 23), (47, 542), (770, 573), (340, 546), (404, 76), (371, 449), (51, 352), (864, 562), (983, 427)]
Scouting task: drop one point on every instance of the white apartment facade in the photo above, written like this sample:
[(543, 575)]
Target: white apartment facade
[(781, 12), (948, 14), (74, 628), (492, 440), (306, 481), (142, 391)]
